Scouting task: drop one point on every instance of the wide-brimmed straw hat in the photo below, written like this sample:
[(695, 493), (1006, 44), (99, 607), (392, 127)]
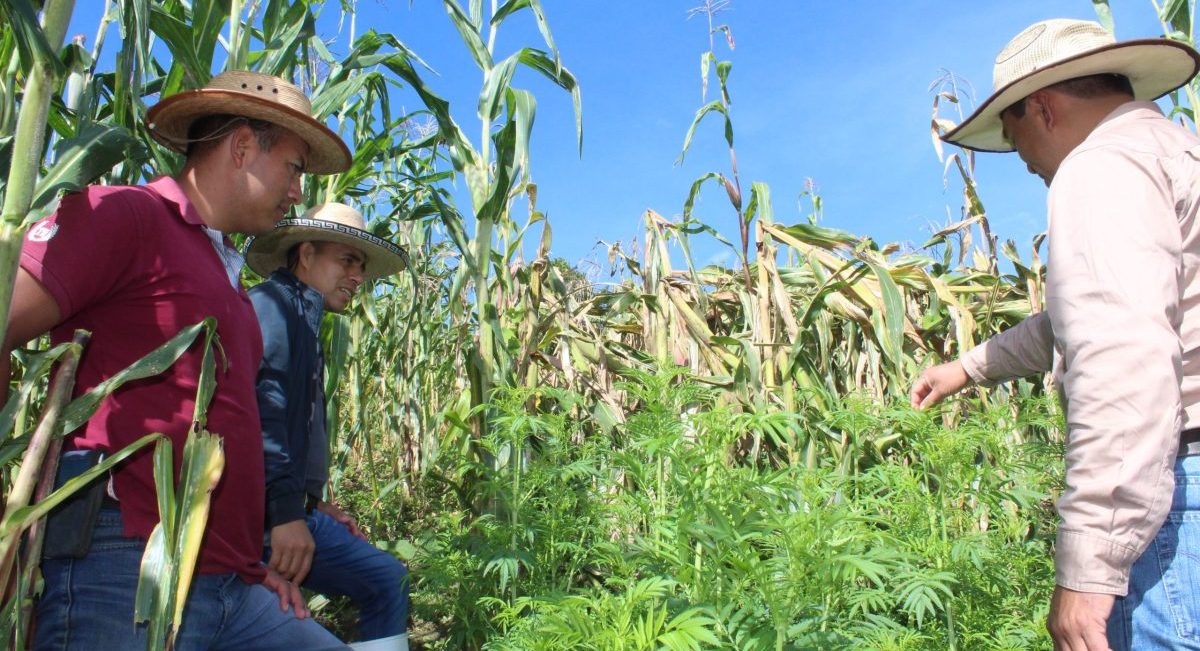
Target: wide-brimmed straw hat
[(252, 95), (332, 222), (1060, 49)]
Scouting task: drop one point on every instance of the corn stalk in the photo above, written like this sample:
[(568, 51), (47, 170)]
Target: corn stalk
[(45, 71)]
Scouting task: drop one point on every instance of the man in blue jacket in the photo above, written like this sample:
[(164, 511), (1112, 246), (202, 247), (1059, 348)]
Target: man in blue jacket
[(312, 264)]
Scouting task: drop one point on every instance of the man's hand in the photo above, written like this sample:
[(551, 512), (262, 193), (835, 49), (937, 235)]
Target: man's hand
[(1079, 620), (291, 550), (342, 517), (937, 382), (289, 594)]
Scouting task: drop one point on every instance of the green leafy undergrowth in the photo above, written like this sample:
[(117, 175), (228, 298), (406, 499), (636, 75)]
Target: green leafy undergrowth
[(550, 534)]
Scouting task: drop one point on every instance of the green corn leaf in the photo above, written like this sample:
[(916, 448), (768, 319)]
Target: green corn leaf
[(892, 318), (469, 31), (723, 69), (1178, 14), (689, 204), (496, 82), (707, 58), (176, 33), (332, 95), (760, 201), (164, 475), (208, 18), (455, 228), (207, 384), (31, 41), (203, 464), (507, 9), (461, 153), (524, 110), (552, 69), (5, 159), (1104, 13), (714, 106), (828, 238), (37, 366), (505, 146), (513, 6), (749, 359), (21, 518), (156, 564), (293, 25), (13, 448), (172, 550), (80, 409), (82, 159)]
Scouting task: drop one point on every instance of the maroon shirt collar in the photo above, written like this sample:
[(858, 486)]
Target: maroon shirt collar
[(171, 192)]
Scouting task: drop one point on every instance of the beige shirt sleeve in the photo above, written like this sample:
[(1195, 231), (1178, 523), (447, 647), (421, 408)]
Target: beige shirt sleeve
[(1024, 349), (1112, 293)]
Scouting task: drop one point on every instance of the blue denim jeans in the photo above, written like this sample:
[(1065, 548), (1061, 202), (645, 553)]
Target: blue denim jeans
[(1162, 609), (87, 604), (375, 581)]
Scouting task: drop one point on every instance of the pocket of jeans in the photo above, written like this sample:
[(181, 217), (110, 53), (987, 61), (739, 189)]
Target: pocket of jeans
[(1178, 543)]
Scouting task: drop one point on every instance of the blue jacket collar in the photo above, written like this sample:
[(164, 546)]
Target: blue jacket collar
[(313, 302)]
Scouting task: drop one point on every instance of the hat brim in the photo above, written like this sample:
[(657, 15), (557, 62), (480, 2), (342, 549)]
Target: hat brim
[(1154, 68), (267, 253), (169, 121)]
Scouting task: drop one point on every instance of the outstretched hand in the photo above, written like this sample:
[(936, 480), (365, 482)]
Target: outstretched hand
[(938, 382)]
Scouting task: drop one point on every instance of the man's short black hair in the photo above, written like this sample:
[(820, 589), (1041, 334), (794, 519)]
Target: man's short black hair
[(1101, 85), (293, 253), (205, 132)]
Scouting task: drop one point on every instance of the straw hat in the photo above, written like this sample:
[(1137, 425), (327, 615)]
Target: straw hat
[(253, 95), (1060, 49), (332, 222)]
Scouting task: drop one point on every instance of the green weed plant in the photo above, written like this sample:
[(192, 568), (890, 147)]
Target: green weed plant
[(666, 533)]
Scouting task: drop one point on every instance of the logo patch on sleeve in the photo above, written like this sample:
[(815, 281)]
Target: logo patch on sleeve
[(42, 231)]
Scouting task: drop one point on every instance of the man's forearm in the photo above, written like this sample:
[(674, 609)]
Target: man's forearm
[(1023, 350)]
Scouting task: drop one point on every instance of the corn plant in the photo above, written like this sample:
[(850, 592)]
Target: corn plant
[(496, 169), (39, 451)]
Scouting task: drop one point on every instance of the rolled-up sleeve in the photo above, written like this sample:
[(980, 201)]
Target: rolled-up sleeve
[(1113, 300), (1024, 349)]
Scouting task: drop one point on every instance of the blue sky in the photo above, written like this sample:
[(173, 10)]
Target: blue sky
[(835, 92)]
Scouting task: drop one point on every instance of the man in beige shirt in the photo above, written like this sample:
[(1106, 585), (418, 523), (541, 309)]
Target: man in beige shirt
[(1121, 329)]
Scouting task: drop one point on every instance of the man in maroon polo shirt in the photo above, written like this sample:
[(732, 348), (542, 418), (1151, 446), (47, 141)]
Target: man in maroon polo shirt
[(134, 265)]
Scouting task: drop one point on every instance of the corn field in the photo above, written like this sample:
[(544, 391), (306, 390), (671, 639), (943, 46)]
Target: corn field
[(690, 457)]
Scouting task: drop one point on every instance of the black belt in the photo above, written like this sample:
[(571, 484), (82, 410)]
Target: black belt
[(1189, 442)]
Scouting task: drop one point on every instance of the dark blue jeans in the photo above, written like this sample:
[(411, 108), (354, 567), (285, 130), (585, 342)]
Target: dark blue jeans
[(1162, 609), (375, 581), (87, 605)]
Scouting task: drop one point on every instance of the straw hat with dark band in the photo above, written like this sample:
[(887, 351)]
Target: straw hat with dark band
[(1060, 49), (332, 222), (252, 95)]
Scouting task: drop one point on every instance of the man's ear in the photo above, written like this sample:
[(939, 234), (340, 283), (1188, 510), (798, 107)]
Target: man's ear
[(306, 252), (239, 143), (1044, 106)]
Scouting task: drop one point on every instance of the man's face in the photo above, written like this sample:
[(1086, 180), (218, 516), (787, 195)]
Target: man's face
[(1024, 135), (332, 268), (272, 181)]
